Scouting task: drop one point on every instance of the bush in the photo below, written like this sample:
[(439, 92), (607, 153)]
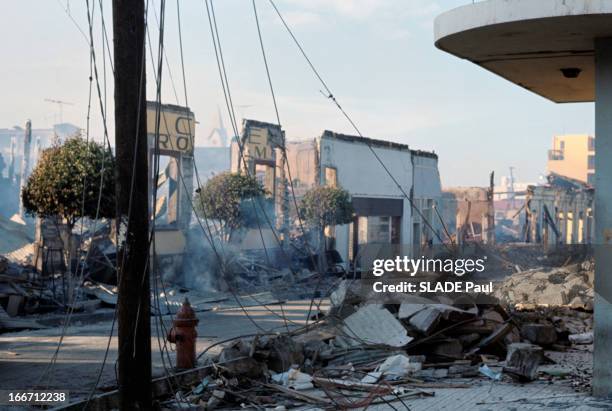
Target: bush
[(227, 198), (324, 206)]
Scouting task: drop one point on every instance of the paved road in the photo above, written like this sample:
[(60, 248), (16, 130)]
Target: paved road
[(25, 356)]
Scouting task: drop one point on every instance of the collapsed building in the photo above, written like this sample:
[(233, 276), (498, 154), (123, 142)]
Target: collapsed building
[(469, 214), (384, 212), (171, 165), (560, 212), (556, 213)]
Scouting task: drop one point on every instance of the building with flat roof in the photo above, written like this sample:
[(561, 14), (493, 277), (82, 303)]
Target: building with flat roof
[(385, 214), (573, 156)]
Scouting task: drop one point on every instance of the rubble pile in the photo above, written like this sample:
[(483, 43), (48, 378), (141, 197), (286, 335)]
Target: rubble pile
[(362, 353), (566, 334), (20, 293), (570, 285), (35, 281)]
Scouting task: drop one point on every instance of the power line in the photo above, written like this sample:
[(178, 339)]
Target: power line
[(229, 103), (120, 265), (286, 160), (331, 97), (66, 10)]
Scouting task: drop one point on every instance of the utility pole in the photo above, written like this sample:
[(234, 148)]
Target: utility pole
[(132, 205)]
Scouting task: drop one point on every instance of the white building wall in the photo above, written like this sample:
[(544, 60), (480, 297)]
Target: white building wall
[(427, 182), (360, 173), (427, 192)]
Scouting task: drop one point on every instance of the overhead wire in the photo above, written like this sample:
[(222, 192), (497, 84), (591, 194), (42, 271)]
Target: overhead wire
[(231, 112), (73, 291), (66, 10), (329, 95), (209, 238), (120, 264)]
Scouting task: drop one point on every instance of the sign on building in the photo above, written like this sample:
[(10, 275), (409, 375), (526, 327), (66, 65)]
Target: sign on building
[(176, 127)]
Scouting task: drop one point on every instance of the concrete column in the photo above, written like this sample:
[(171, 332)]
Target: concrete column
[(575, 225), (566, 221), (602, 357)]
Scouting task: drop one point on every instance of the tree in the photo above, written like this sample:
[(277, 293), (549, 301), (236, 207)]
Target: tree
[(227, 197), (66, 184), (325, 206)]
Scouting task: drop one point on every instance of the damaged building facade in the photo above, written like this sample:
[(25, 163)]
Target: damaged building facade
[(560, 212), (258, 152), (171, 174), (469, 214), (383, 214)]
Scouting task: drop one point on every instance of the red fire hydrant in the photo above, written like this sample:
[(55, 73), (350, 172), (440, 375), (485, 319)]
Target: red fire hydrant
[(184, 334)]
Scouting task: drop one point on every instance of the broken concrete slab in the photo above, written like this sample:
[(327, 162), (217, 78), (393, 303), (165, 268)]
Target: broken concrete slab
[(424, 317), (523, 360), (584, 338), (561, 286), (373, 325), (425, 320)]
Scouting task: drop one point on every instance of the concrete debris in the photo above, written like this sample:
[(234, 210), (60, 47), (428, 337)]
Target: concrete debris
[(393, 368), (215, 399), (360, 348), (562, 286), (584, 338), (294, 379), (523, 360), (369, 352), (373, 325), (541, 334)]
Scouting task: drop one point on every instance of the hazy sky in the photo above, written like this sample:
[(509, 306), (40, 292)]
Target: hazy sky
[(377, 56)]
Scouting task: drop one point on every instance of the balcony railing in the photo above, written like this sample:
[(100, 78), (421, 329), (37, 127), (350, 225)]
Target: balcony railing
[(555, 155)]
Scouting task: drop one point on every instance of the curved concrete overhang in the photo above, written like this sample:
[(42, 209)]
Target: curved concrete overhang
[(531, 42)]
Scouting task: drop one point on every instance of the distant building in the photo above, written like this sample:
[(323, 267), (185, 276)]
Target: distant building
[(12, 139), (383, 214), (573, 156), (12, 149), (469, 213), (560, 212)]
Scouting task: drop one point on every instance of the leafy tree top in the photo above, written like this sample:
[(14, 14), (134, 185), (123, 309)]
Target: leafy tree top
[(223, 198), (66, 182), (323, 206)]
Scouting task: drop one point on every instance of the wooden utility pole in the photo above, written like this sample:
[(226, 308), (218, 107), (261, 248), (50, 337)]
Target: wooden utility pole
[(132, 203)]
